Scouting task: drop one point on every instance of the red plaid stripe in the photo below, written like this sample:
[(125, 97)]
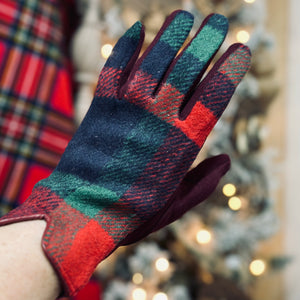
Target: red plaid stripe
[(8, 11)]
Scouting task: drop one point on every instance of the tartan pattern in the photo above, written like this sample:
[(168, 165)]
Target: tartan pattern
[(133, 148), (32, 24), (196, 57), (35, 96)]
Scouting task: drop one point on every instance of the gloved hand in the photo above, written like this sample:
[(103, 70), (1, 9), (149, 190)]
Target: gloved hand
[(147, 122)]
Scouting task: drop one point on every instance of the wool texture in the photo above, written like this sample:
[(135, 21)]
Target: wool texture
[(136, 143)]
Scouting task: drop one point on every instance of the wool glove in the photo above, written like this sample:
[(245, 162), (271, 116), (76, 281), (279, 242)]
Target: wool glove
[(148, 120), (194, 188)]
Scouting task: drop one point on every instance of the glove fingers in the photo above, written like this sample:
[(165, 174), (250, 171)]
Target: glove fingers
[(121, 61), (207, 104), (192, 62), (187, 69), (153, 64), (196, 186)]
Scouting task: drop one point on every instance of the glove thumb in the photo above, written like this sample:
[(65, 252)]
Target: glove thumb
[(195, 187)]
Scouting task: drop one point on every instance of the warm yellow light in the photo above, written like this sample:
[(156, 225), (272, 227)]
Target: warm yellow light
[(235, 203), (257, 267), (106, 50), (229, 189), (137, 278), (162, 264), (249, 1), (160, 296), (139, 294), (203, 236), (243, 36)]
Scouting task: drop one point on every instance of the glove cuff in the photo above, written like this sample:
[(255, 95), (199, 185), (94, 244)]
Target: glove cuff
[(73, 243)]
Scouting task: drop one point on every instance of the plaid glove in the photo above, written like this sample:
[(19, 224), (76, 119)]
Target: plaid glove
[(195, 187), (147, 122)]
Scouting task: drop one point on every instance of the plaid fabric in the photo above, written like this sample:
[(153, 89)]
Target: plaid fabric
[(35, 96), (135, 144)]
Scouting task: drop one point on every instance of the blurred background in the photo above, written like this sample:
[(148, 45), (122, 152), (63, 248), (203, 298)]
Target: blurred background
[(244, 241)]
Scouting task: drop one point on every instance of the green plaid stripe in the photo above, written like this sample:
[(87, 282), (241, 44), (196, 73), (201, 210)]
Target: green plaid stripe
[(195, 58)]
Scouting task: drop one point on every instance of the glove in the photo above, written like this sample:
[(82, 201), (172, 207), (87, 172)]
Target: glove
[(195, 187), (147, 122)]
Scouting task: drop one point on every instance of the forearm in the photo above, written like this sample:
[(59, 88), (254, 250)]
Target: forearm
[(25, 272)]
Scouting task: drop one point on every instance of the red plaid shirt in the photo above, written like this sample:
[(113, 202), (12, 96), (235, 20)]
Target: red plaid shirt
[(35, 96)]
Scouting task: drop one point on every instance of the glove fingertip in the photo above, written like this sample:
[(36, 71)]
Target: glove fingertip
[(127, 47), (236, 63), (217, 21), (134, 30)]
